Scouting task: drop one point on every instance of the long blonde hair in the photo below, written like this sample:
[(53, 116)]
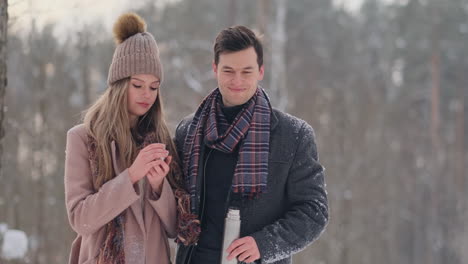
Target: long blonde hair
[(107, 120)]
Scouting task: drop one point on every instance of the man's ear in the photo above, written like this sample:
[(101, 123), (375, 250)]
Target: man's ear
[(214, 67), (262, 72)]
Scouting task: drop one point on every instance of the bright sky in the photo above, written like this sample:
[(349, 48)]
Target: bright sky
[(350, 4), (67, 14), (72, 15)]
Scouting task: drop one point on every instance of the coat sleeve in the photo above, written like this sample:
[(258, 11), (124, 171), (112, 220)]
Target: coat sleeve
[(307, 215), (165, 207), (180, 134), (88, 210)]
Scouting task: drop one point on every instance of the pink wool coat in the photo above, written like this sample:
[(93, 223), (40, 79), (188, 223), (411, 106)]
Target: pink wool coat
[(149, 219)]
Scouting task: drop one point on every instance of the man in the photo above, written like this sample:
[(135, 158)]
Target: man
[(238, 152)]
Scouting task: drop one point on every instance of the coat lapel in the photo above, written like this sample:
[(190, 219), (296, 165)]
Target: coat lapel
[(149, 211), (136, 206)]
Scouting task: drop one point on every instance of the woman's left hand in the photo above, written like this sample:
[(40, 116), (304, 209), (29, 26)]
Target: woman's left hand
[(157, 174)]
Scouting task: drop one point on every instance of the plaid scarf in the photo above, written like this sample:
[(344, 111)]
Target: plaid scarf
[(250, 130), (112, 249)]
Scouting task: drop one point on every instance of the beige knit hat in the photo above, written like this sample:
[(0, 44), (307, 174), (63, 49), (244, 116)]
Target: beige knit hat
[(136, 51)]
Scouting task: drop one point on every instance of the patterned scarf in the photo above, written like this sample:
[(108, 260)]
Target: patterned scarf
[(250, 130), (112, 250)]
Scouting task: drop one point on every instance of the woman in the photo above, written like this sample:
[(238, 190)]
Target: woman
[(118, 169)]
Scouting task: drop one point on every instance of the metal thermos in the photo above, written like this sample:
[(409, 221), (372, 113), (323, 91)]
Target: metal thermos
[(232, 226)]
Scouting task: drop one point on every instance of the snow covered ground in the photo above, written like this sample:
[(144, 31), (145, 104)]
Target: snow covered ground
[(14, 243)]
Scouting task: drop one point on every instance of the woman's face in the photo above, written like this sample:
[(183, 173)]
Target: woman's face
[(141, 95)]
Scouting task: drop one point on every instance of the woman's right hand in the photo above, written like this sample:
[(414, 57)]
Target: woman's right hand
[(147, 158)]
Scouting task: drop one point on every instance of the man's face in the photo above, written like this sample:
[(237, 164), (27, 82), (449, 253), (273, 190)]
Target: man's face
[(238, 75)]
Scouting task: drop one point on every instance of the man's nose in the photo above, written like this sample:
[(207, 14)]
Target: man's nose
[(237, 79)]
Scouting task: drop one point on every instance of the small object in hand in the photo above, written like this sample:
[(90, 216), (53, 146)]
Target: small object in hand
[(231, 232)]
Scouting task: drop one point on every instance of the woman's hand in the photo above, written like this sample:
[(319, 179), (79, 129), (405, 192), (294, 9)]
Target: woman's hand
[(147, 158), (157, 174)]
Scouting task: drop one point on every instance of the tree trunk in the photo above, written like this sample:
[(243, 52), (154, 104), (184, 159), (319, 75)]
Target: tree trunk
[(232, 13), (3, 66), (85, 67), (3, 84), (435, 98), (435, 198), (278, 62), (262, 15), (460, 169)]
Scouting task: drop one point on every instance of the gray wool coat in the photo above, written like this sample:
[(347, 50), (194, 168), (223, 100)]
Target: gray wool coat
[(294, 211)]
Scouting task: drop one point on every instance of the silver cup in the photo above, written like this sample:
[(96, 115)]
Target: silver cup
[(231, 232)]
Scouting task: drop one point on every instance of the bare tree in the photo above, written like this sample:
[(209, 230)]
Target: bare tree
[(3, 74), (278, 58), (3, 66)]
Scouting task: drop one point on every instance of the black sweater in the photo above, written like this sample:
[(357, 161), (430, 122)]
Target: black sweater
[(218, 180)]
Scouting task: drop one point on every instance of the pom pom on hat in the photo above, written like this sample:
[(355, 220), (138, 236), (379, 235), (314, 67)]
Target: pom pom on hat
[(128, 25)]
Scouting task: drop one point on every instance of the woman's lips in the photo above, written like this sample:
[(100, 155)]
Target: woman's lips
[(145, 105)]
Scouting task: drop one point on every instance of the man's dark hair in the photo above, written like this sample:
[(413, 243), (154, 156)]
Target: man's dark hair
[(237, 38)]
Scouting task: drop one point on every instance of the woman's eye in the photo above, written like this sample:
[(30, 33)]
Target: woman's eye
[(137, 86), (154, 88)]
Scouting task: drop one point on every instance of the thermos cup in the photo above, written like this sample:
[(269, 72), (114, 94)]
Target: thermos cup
[(231, 232)]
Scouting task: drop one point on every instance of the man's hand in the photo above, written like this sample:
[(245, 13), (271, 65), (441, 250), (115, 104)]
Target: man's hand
[(245, 249)]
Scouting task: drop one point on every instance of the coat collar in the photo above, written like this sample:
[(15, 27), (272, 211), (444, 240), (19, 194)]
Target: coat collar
[(135, 207), (273, 120)]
